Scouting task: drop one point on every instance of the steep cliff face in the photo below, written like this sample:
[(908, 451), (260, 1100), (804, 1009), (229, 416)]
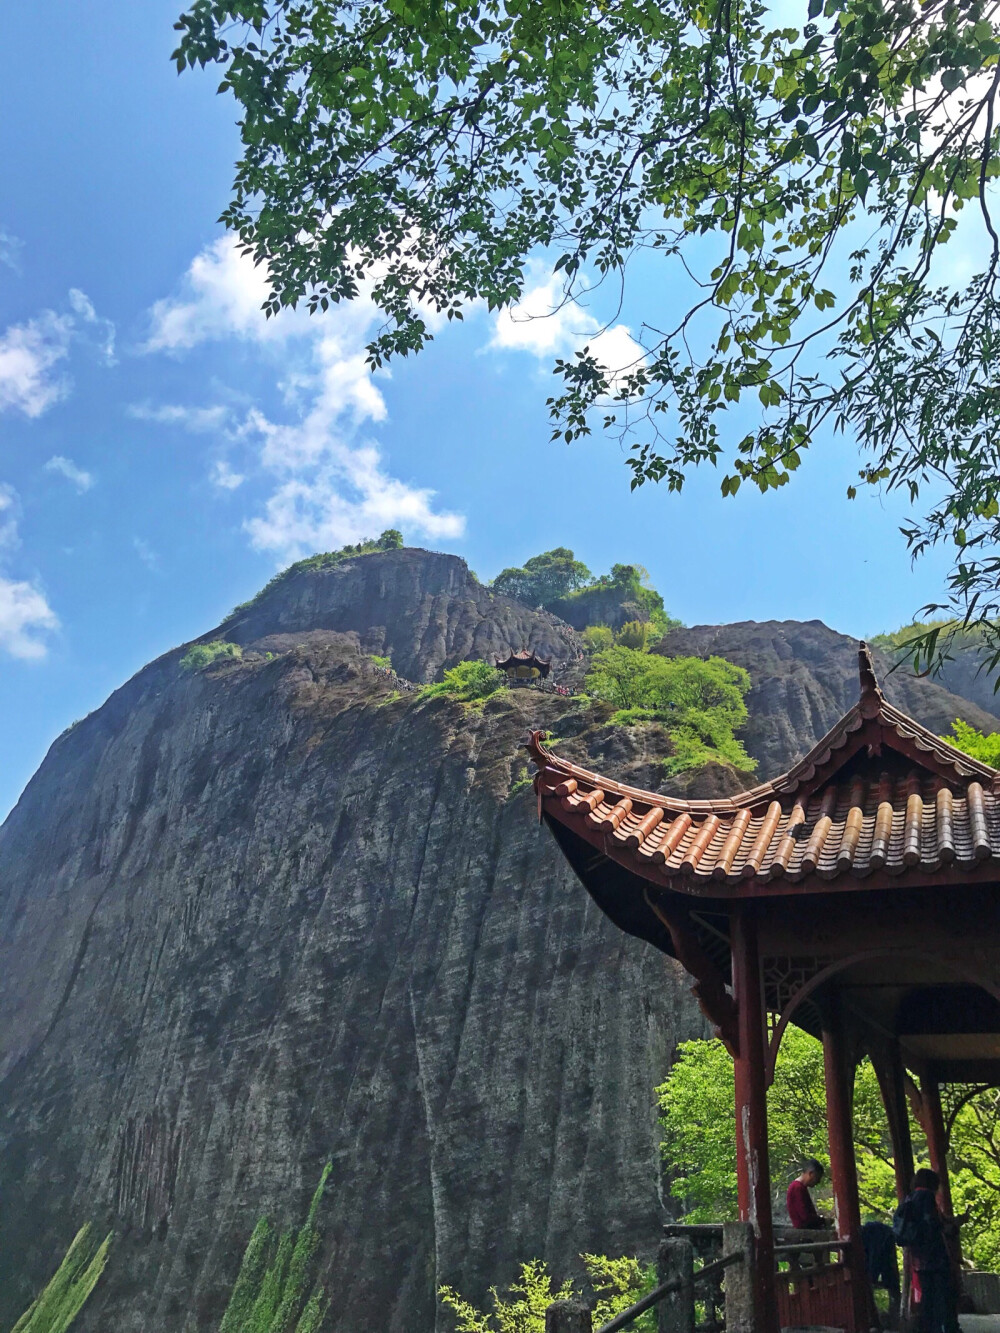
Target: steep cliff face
[(422, 609), (265, 916), (804, 677), (272, 914)]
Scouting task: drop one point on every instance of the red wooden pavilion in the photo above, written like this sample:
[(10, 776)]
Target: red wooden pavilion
[(857, 896), (524, 665)]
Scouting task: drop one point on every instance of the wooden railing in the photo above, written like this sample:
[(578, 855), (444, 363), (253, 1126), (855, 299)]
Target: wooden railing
[(819, 1291), (675, 1295)]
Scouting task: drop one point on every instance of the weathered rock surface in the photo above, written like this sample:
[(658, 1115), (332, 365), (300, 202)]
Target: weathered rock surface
[(804, 677), (422, 609), (266, 915), (262, 916)]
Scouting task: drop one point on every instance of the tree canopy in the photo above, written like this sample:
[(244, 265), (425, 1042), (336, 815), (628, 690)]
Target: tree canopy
[(700, 703), (544, 578), (966, 737), (699, 1147), (802, 180)]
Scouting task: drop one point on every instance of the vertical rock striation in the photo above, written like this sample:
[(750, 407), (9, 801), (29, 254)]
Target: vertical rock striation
[(272, 914)]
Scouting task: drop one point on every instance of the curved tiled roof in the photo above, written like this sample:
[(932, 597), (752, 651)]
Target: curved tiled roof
[(879, 793)]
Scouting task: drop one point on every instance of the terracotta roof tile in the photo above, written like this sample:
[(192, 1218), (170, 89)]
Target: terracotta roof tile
[(878, 793)]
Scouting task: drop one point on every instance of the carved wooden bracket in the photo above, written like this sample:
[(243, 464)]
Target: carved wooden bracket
[(709, 988)]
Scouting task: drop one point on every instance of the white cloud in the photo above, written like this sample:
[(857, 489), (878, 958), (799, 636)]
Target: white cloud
[(221, 297), (545, 324), (24, 612), (223, 476), (103, 329), (10, 251), (29, 355), (196, 419), (67, 468), (24, 615), (328, 486)]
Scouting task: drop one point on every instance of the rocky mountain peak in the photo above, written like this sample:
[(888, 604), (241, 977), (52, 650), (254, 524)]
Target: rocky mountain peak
[(424, 610)]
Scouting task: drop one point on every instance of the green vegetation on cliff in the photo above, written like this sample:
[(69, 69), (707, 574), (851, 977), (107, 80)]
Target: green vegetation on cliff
[(272, 1291), (390, 540), (201, 655), (469, 682), (68, 1289), (617, 1284), (699, 703), (560, 583)]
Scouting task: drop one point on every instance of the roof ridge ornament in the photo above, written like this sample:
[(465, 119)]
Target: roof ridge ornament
[(872, 698)]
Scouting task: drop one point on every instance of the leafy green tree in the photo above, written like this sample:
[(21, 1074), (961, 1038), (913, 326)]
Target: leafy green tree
[(201, 655), (617, 1283), (697, 1115), (67, 1291), (973, 1126), (700, 703), (274, 1291), (805, 178), (984, 748), (469, 682), (634, 634), (544, 579), (597, 637), (697, 1104)]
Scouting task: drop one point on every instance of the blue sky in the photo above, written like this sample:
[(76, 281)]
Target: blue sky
[(165, 450)]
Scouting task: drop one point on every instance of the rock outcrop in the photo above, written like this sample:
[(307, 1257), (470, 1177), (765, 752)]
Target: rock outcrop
[(273, 913), (424, 610), (804, 677)]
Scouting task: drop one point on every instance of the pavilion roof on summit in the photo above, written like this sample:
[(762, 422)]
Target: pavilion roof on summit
[(880, 800)]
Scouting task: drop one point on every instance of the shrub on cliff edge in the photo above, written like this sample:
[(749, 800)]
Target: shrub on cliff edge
[(201, 655)]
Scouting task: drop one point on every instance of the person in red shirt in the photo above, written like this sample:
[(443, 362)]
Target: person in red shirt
[(801, 1210)]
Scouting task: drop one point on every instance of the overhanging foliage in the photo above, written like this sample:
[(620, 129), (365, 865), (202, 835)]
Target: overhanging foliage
[(801, 180)]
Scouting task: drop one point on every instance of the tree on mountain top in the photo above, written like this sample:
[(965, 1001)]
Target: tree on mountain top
[(544, 578), (804, 181)]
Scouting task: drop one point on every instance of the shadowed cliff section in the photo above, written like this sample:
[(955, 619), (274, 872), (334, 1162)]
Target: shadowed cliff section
[(422, 609), (268, 915)]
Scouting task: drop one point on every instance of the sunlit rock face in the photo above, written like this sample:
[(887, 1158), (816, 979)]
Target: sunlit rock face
[(804, 678), (276, 913)]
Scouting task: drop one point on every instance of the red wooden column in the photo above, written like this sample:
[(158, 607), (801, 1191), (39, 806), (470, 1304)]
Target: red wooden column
[(888, 1062), (937, 1148), (937, 1139), (753, 1173), (838, 1065)]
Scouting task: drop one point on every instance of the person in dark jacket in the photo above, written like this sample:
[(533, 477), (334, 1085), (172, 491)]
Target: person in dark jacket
[(923, 1238), (881, 1264)]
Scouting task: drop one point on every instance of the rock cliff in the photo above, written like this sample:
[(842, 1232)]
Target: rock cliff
[(804, 677), (424, 610), (274, 913)]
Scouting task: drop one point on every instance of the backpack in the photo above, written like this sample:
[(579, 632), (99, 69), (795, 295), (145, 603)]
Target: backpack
[(908, 1224)]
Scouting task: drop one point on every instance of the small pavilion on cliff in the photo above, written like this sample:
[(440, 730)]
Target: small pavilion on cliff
[(523, 666), (858, 897)]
